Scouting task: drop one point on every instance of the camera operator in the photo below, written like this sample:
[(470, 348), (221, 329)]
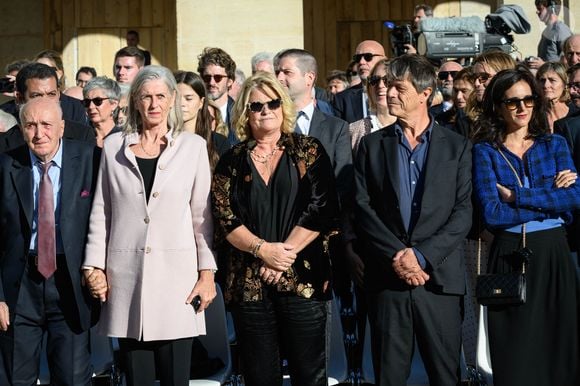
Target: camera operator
[(553, 36), (422, 11)]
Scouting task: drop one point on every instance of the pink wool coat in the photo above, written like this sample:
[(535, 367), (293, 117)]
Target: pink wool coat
[(152, 252)]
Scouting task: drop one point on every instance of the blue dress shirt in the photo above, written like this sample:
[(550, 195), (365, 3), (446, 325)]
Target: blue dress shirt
[(412, 179)]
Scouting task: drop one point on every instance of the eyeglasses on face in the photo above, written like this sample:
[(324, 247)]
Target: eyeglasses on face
[(97, 101), (513, 103), (217, 78), (257, 107), (575, 85), (375, 79), (443, 75), (368, 56), (482, 77)]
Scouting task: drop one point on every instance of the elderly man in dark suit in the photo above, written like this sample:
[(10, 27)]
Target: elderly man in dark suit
[(37, 80), (352, 103), (413, 210), (46, 188)]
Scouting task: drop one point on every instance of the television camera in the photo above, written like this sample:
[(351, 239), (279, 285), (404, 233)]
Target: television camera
[(460, 37)]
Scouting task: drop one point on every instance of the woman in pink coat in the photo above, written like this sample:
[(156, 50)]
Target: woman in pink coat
[(148, 253)]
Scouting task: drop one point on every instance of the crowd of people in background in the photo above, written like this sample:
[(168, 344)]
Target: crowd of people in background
[(123, 201)]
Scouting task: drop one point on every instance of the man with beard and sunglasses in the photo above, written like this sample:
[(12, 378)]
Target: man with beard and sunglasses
[(218, 71), (37, 80), (445, 77)]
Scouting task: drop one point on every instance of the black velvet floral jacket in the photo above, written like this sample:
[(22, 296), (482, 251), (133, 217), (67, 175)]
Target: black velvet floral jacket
[(315, 208)]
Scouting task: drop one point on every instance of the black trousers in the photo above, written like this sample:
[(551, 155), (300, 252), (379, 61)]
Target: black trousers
[(288, 323), (46, 306), (397, 318), (171, 358)]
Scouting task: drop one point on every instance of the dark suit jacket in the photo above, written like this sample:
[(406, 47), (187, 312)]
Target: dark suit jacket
[(73, 110), (348, 104), (79, 170), (232, 137), (334, 135), (445, 216), (13, 138), (569, 128)]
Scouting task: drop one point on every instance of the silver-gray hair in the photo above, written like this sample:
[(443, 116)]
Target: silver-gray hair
[(109, 86), (240, 76), (262, 57), (148, 73), (7, 121)]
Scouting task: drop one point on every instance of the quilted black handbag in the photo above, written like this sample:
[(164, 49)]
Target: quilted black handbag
[(504, 288)]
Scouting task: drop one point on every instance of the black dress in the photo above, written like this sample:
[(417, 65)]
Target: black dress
[(272, 205)]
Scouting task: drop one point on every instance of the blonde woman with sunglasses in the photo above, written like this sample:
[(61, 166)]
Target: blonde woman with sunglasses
[(274, 201)]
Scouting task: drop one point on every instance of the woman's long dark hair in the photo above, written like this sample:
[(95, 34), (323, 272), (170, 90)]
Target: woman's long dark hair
[(491, 126), (204, 118)]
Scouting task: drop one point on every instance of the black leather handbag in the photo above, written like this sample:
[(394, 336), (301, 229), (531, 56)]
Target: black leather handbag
[(504, 288)]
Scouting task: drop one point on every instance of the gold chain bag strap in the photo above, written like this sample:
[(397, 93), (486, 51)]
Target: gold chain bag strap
[(504, 288)]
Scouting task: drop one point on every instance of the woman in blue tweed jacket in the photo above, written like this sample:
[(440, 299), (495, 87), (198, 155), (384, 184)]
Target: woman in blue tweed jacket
[(535, 343)]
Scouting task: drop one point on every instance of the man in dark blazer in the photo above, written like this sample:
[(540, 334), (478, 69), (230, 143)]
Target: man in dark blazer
[(569, 128), (41, 255), (413, 210), (37, 80), (218, 71), (296, 70), (351, 104)]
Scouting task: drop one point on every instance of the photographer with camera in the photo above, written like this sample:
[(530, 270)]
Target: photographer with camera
[(422, 11), (553, 36)]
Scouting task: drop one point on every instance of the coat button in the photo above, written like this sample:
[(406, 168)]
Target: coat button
[(148, 250), (161, 167), (146, 219), (155, 194)]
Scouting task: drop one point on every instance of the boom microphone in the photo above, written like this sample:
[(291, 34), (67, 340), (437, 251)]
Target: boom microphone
[(458, 24)]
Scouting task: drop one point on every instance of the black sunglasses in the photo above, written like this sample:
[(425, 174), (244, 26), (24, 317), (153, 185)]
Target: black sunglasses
[(375, 79), (443, 75), (482, 77), (257, 107), (97, 101), (575, 85), (217, 78), (368, 56), (514, 103)]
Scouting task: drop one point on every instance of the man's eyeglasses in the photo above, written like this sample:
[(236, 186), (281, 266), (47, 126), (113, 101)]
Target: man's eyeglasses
[(368, 56), (375, 79), (513, 103), (575, 85), (97, 101), (257, 107), (444, 75), (482, 77), (217, 78)]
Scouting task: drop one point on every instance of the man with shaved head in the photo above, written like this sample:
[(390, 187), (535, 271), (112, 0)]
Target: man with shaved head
[(572, 50), (46, 188), (352, 104)]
